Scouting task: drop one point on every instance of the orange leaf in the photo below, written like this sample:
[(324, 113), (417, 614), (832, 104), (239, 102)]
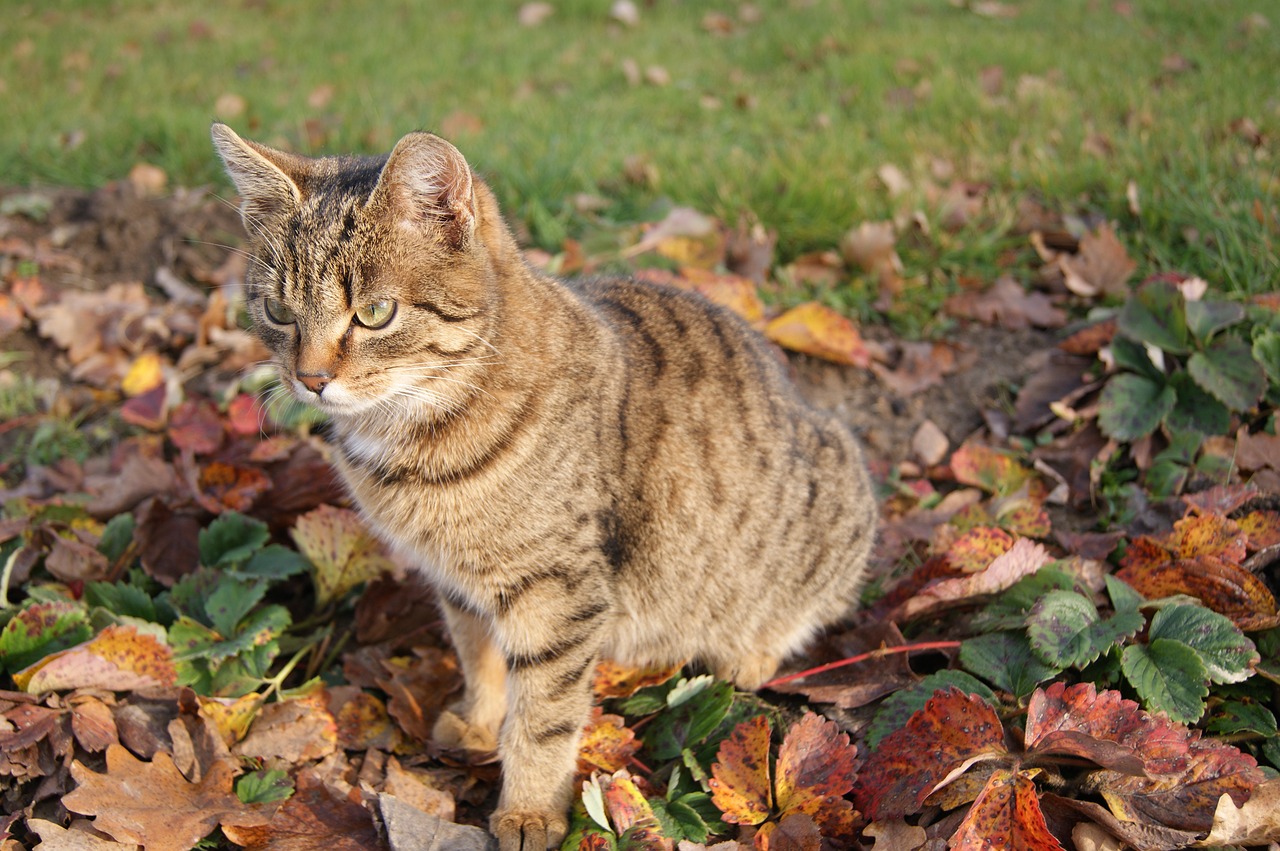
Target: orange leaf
[(977, 548), (626, 804), (815, 770), (313, 819), (816, 329), (1024, 558), (729, 291), (616, 680), (229, 487), (1006, 815), (1262, 528), (118, 659), (740, 779), (952, 732), (1207, 535), (607, 743), (1226, 588), (990, 469)]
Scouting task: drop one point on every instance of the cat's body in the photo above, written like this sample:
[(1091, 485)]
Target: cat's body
[(608, 468)]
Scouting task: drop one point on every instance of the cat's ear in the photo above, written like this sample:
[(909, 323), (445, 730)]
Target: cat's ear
[(264, 177), (426, 184)]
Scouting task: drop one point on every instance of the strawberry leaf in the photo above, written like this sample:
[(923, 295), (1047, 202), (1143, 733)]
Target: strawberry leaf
[(897, 708), (1169, 676), (1005, 660), (231, 539), (815, 770), (42, 629), (1065, 629), (952, 732), (1227, 654), (1132, 406), (1227, 370), (740, 785), (1006, 815), (692, 716), (1156, 314)]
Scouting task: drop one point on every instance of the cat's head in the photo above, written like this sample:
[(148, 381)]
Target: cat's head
[(368, 278)]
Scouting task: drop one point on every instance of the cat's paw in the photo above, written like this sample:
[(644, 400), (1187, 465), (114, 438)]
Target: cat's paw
[(748, 673), (528, 830), (454, 731)]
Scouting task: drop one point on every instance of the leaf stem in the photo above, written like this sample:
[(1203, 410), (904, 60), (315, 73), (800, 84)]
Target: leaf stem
[(878, 653)]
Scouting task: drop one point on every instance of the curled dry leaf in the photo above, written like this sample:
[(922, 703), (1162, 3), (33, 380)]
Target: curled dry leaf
[(1255, 823), (1102, 267), (1024, 558), (293, 730), (1008, 305)]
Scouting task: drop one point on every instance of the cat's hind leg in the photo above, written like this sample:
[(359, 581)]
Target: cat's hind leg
[(474, 721)]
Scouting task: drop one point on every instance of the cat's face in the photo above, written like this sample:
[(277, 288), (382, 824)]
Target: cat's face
[(366, 281)]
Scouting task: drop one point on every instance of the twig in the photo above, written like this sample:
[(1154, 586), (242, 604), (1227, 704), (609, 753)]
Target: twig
[(879, 652)]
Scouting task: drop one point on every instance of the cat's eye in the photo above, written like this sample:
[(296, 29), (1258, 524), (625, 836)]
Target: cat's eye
[(376, 314), (277, 311)]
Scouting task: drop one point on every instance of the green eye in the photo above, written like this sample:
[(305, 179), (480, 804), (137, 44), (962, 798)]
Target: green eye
[(277, 311), (377, 314)]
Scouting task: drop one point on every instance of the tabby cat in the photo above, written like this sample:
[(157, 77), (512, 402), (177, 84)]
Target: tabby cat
[(582, 469)]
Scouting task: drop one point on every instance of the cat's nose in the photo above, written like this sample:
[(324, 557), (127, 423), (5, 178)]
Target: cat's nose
[(315, 382)]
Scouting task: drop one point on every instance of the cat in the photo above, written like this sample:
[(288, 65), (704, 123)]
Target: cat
[(582, 469)]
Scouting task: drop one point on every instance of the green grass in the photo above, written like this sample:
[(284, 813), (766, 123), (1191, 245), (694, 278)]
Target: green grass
[(811, 101)]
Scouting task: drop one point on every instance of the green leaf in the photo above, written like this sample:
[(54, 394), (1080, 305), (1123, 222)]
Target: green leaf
[(41, 629), (1236, 716), (1271, 751), (1226, 652), (1131, 406), (1227, 370), (1123, 597), (1169, 677), (1195, 410), (275, 562), (1132, 355), (121, 598), (1005, 660), (1009, 610), (648, 700), (264, 786), (679, 820), (1206, 318), (1065, 629), (1156, 314), (230, 539), (231, 601), (116, 536), (690, 720), (244, 673), (1266, 351), (898, 707), (686, 689), (1166, 478)]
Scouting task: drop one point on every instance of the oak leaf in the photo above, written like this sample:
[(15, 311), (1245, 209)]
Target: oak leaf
[(1006, 304), (152, 804), (1102, 267), (54, 837)]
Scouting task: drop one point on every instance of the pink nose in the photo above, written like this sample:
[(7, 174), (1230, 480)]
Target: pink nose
[(315, 382)]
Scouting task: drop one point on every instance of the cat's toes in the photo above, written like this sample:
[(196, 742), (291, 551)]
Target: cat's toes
[(454, 731), (748, 673), (528, 830)]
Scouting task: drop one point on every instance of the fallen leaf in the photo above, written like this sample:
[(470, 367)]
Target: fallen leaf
[(118, 659), (1008, 305), (607, 743), (730, 291), (1024, 558), (816, 329), (314, 819), (342, 550), (929, 444), (533, 14), (1256, 822), (921, 365), (195, 426), (294, 731), (145, 373), (739, 782), (955, 730), (1103, 266), (815, 770), (1006, 815), (54, 837), (152, 804), (616, 680)]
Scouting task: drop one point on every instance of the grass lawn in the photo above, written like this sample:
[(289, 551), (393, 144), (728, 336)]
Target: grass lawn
[(784, 110)]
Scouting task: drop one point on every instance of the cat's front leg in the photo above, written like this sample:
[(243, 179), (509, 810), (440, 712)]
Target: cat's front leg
[(473, 722), (552, 643)]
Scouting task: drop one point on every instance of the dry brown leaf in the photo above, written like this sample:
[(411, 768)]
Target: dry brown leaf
[(1255, 823), (54, 837), (152, 804), (1007, 304), (293, 730), (1103, 266)]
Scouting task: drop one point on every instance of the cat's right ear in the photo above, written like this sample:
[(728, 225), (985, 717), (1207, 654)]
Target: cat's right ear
[(260, 174), (426, 185)]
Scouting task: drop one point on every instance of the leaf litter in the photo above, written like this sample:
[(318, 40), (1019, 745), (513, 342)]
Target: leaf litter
[(207, 621)]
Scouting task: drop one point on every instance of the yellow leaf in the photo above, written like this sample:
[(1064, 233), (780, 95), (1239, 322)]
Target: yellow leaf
[(816, 329), (145, 373), (342, 550), (119, 659), (231, 718)]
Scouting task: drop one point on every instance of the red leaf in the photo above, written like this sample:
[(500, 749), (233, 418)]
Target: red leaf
[(229, 487), (1222, 586), (196, 427), (1006, 815), (245, 416), (1105, 728), (740, 779), (953, 731)]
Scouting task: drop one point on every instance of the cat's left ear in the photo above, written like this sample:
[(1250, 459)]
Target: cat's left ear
[(426, 184)]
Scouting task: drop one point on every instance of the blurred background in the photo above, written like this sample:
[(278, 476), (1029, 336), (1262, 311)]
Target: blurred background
[(805, 115)]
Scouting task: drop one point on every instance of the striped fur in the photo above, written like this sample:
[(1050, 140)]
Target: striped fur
[(588, 469)]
